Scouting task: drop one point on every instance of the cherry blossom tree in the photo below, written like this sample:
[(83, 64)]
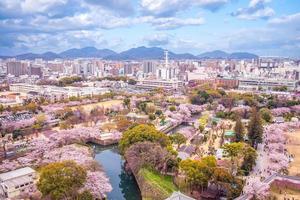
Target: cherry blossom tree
[(280, 111), (256, 188), (98, 184)]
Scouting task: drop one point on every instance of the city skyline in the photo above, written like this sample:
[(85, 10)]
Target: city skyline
[(263, 27)]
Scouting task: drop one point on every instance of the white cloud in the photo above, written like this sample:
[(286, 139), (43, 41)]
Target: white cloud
[(42, 42), (32, 6), (293, 19), (172, 22), (262, 13), (254, 3), (256, 9), (171, 7)]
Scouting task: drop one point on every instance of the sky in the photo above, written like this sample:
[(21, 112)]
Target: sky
[(264, 27)]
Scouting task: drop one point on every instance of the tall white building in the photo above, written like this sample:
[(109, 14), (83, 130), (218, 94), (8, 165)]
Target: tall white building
[(166, 72), (84, 68)]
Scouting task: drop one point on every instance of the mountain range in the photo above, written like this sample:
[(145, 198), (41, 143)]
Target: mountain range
[(139, 53)]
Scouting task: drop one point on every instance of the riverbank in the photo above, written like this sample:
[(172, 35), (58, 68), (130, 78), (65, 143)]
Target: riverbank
[(124, 184)]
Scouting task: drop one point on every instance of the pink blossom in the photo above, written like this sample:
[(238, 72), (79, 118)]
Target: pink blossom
[(256, 188), (280, 111), (98, 184)]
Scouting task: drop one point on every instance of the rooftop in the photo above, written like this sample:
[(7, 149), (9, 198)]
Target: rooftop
[(16, 173)]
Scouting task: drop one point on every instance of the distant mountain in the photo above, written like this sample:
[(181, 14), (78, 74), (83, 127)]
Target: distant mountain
[(87, 52), (214, 55), (32, 56), (50, 56), (5, 57), (223, 55), (139, 53), (242, 55), (44, 56), (147, 53)]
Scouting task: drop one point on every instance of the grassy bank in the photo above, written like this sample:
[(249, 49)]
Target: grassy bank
[(160, 183)]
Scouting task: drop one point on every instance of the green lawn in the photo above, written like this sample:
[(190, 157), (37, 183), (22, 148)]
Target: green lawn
[(161, 182)]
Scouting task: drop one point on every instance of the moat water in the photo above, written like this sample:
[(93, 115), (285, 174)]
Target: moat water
[(124, 184)]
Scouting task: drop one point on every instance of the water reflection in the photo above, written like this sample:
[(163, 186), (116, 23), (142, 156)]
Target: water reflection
[(124, 184)]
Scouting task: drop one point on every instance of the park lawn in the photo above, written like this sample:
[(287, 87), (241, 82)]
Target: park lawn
[(105, 104), (163, 183), (293, 147)]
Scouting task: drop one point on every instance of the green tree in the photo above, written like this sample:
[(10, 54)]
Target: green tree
[(60, 180), (266, 114), (233, 151), (141, 133), (126, 103), (152, 116), (178, 138), (255, 129), (85, 195), (198, 173), (64, 125), (158, 112), (32, 107), (142, 106), (132, 82), (221, 114), (250, 156), (40, 119), (202, 97), (239, 130), (223, 179), (201, 128), (172, 108), (210, 161), (1, 108), (221, 175)]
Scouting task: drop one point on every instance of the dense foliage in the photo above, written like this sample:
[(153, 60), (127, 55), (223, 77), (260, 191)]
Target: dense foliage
[(198, 173), (255, 129), (141, 133), (150, 155), (239, 130), (69, 80), (60, 180)]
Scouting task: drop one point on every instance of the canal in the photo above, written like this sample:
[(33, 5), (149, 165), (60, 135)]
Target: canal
[(123, 184)]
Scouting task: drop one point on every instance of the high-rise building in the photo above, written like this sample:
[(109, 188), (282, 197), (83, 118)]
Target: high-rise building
[(36, 70), (128, 68), (84, 68), (148, 67), (166, 72), (17, 68)]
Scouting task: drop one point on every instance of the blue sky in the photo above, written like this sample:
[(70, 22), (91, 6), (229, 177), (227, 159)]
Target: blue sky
[(264, 27)]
